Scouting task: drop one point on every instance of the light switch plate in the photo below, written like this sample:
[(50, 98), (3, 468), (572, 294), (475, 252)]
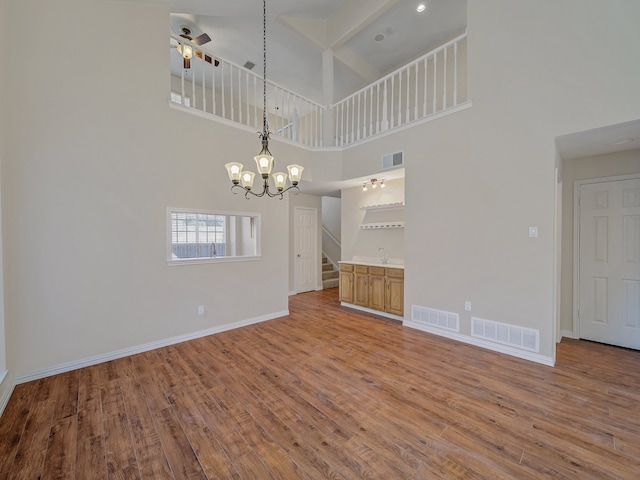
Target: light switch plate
[(533, 232)]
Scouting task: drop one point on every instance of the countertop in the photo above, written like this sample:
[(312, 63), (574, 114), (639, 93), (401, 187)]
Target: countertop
[(376, 262)]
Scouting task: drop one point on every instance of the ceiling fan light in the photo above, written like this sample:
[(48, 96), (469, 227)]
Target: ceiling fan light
[(234, 170), (186, 51), (295, 173)]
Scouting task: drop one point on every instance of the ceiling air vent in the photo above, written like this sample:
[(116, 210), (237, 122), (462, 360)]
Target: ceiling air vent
[(393, 160)]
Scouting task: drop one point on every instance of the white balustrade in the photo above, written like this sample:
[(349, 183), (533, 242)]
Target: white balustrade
[(427, 86), (434, 83), (217, 86)]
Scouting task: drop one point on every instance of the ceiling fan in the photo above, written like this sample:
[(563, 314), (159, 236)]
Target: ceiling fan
[(187, 52)]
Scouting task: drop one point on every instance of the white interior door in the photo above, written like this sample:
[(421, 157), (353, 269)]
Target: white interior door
[(609, 262), (305, 248)]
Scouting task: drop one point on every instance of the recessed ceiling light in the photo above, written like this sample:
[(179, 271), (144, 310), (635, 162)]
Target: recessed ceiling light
[(379, 37), (421, 8), (621, 141)]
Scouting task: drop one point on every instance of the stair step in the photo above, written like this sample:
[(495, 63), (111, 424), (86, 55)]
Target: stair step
[(331, 283), (330, 274), (327, 266)]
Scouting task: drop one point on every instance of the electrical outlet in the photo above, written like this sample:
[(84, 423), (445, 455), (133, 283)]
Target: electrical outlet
[(200, 309), (533, 232), (467, 306)]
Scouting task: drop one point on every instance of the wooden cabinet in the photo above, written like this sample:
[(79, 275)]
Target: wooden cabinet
[(394, 300), (346, 283), (377, 288)]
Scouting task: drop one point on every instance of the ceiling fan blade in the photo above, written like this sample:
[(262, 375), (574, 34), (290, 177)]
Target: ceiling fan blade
[(186, 63), (201, 39)]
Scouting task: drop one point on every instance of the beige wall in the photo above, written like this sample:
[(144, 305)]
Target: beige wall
[(92, 166), (601, 166), (6, 382)]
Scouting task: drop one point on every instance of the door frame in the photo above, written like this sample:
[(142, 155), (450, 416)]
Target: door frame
[(577, 185), (296, 279)]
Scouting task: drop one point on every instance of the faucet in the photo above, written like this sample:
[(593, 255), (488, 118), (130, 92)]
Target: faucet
[(383, 258)]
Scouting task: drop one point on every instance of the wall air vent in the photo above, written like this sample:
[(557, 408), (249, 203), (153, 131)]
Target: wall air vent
[(436, 318), (512, 335), (393, 160)]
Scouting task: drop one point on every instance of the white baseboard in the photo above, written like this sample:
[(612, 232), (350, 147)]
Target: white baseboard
[(514, 352), (370, 310), (568, 334), (7, 384), (125, 352)]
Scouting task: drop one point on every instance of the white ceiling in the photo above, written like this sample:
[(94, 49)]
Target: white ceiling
[(600, 141), (294, 46)]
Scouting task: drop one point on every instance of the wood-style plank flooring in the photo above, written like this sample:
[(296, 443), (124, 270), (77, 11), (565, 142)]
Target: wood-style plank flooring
[(329, 392)]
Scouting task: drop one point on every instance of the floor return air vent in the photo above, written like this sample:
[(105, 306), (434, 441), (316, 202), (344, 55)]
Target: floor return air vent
[(512, 335)]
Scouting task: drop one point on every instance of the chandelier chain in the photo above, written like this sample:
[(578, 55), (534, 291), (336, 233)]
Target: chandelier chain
[(265, 125)]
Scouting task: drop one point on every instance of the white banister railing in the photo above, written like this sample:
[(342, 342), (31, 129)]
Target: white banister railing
[(433, 83), (217, 86)]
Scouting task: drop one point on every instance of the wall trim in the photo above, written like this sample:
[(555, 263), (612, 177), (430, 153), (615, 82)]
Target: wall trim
[(370, 310), (7, 389), (125, 352), (514, 352)]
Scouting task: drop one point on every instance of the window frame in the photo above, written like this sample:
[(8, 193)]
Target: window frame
[(223, 259)]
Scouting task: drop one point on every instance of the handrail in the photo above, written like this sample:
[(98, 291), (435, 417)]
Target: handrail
[(325, 230)]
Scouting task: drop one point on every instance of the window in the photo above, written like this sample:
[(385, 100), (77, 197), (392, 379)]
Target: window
[(204, 237)]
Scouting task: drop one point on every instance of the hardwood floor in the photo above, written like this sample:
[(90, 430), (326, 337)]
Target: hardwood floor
[(330, 392)]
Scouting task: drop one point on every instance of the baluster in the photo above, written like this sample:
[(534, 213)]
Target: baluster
[(222, 92), (213, 88), (342, 123), (336, 141), (232, 95), (239, 95), (182, 91), (358, 124), (371, 132), (415, 93), (193, 102), (385, 113), (455, 74), (204, 85), (378, 107), (247, 104), (290, 136), (255, 102), (435, 71), (393, 95), (407, 117), (444, 80), (426, 89)]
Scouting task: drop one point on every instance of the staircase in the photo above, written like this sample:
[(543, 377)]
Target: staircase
[(329, 274)]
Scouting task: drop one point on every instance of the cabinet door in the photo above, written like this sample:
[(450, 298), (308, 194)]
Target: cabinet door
[(361, 290), (395, 296), (376, 292), (346, 287)]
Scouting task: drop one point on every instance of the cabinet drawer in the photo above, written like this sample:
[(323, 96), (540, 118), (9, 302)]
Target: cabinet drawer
[(346, 267), (395, 272), (362, 269), (376, 271)]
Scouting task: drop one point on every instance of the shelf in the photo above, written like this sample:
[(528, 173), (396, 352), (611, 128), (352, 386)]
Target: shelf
[(380, 225), (384, 206)]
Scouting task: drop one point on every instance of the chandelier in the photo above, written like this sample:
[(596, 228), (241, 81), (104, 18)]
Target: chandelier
[(243, 179)]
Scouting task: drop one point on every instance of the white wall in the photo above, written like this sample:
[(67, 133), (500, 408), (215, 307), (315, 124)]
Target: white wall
[(600, 166), (95, 155), (331, 208), (366, 242)]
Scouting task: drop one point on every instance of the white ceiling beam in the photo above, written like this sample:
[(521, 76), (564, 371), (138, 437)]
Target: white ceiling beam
[(310, 28), (355, 63), (352, 18)]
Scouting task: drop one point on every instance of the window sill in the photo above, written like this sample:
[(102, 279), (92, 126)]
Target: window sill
[(198, 261)]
